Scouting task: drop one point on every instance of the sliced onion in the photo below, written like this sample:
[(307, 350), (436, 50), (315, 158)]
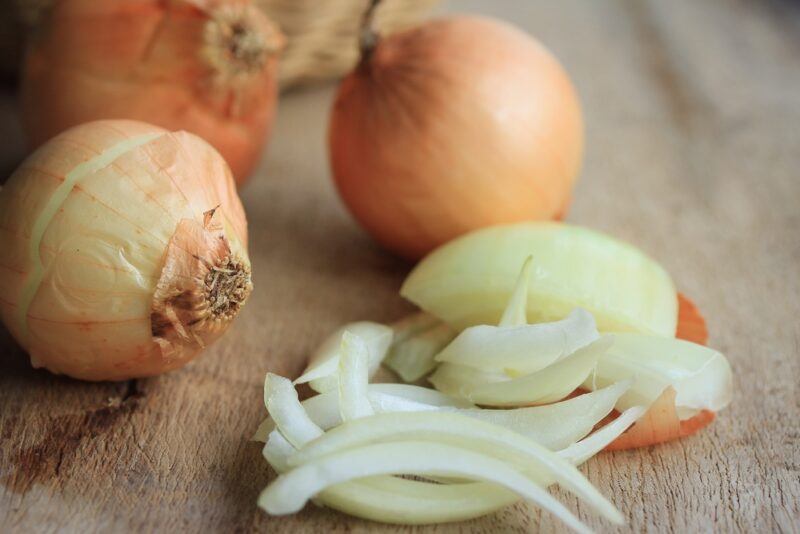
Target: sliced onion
[(323, 409), (455, 429), (413, 358), (286, 411), (353, 378), (548, 385), (323, 366), (521, 349), (558, 425), (701, 376), (413, 324), (277, 451), (516, 312), (290, 491), (579, 452)]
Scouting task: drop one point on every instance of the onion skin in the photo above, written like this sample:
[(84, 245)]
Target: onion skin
[(460, 123), (130, 255), (160, 62)]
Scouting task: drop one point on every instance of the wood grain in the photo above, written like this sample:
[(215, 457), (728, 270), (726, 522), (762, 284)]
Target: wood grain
[(693, 153)]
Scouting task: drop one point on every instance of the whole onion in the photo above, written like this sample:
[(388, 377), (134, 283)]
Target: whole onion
[(204, 66), (460, 123), (124, 251)]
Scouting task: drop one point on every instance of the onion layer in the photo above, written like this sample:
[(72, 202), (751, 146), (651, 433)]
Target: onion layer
[(468, 281), (124, 251), (205, 66)]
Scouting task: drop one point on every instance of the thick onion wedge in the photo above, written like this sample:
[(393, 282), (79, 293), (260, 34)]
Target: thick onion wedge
[(292, 490), (521, 349), (413, 358), (353, 378), (548, 385), (455, 429), (323, 366), (701, 376), (468, 281)]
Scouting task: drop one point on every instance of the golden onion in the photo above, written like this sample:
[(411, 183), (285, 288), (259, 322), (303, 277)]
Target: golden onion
[(124, 251)]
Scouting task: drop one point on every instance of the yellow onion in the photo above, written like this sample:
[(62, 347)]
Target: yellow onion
[(460, 123), (124, 251), (204, 66)]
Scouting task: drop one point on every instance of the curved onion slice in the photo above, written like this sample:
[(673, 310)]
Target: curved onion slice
[(516, 312), (290, 491), (411, 325), (700, 376), (323, 366), (558, 425), (548, 385), (323, 409), (285, 409), (450, 428), (353, 378), (521, 349), (413, 358), (553, 426), (468, 281), (405, 501), (579, 452)]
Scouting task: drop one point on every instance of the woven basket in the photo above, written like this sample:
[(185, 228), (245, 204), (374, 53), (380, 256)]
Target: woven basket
[(322, 35)]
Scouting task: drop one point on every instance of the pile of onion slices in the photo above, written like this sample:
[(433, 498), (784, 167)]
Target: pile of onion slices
[(559, 393)]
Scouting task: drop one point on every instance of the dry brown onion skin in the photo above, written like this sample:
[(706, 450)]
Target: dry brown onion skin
[(125, 251), (204, 66), (461, 123)]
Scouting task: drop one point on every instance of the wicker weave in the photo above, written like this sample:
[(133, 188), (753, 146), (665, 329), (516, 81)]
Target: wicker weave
[(323, 34)]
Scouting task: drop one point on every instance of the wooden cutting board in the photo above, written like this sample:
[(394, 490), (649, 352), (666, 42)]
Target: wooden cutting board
[(693, 153)]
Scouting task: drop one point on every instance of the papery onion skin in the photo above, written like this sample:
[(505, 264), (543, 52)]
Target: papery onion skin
[(130, 254), (179, 64), (461, 123)]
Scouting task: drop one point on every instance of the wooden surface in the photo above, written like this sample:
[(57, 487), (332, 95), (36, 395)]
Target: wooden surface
[(693, 113)]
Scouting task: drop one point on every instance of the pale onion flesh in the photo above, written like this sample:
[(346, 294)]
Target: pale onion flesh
[(701, 376), (469, 280), (322, 370), (115, 237), (404, 501), (414, 357), (520, 349), (553, 426)]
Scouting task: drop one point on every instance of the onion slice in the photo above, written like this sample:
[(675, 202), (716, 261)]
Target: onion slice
[(353, 378), (413, 357), (290, 491), (701, 376), (548, 385), (454, 429), (516, 312), (323, 366), (284, 407), (521, 349)]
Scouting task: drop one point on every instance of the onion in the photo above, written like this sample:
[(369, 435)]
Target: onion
[(123, 251), (205, 66), (429, 140)]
